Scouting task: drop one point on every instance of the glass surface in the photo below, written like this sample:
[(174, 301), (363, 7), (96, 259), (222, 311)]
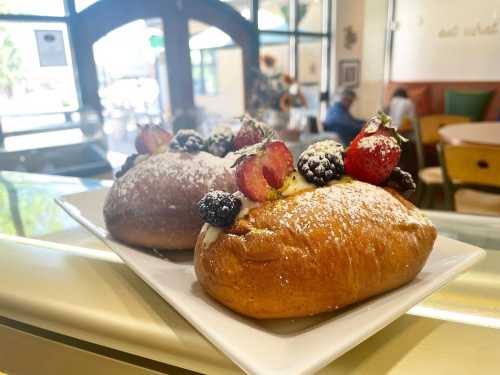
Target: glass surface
[(33, 7), (82, 4), (274, 15), (132, 72), (310, 15), (27, 206), (217, 71), (482, 231), (35, 78)]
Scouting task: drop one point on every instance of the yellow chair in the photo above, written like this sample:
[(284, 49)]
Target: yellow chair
[(426, 133), (472, 178)]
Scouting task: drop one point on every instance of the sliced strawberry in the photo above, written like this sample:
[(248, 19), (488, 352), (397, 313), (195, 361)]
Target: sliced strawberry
[(151, 138), (277, 163), (252, 132), (251, 181), (258, 175)]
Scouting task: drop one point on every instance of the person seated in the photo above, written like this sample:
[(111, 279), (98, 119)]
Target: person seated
[(339, 119), (402, 110)]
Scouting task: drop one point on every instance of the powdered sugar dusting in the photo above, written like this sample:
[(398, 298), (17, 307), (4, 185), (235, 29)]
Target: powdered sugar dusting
[(170, 183), (374, 141), (354, 204), (180, 167)]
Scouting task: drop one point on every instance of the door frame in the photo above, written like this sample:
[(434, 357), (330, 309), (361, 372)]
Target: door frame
[(104, 16)]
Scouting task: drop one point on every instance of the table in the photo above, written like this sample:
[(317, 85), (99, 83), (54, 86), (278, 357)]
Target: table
[(78, 305), (482, 133)]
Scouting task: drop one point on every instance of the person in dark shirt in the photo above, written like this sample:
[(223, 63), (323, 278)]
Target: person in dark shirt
[(339, 119)]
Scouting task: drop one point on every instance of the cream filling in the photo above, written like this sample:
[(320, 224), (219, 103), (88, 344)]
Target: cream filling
[(294, 185), (212, 233)]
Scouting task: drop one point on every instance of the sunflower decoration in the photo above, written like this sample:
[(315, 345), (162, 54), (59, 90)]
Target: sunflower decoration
[(274, 90)]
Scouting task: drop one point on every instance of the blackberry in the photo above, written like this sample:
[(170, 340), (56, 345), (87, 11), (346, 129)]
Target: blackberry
[(219, 208), (322, 163), (220, 143), (129, 163), (401, 181), (187, 140)]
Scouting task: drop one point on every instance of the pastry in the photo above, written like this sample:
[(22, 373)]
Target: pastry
[(302, 242), (153, 202)]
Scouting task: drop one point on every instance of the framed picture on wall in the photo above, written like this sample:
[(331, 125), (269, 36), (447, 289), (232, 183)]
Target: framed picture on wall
[(349, 72)]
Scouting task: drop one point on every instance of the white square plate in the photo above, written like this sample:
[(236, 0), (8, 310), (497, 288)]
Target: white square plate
[(278, 347)]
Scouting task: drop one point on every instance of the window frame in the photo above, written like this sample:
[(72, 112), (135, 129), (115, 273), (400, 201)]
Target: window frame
[(294, 33), (202, 65)]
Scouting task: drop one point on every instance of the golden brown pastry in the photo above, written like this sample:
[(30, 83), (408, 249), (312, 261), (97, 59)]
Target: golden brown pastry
[(297, 242), (154, 203), (316, 251)]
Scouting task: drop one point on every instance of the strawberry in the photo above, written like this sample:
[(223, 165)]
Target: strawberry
[(259, 174), (151, 139), (277, 163), (251, 181), (252, 132), (375, 151)]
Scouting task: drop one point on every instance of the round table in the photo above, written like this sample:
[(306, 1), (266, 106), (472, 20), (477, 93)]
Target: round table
[(483, 133)]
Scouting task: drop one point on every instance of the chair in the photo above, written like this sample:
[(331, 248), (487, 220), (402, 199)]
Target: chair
[(426, 134), (472, 178)]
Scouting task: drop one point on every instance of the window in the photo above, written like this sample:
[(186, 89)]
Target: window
[(132, 73), (203, 62), (38, 88), (53, 8), (299, 30), (36, 74), (242, 6), (82, 4)]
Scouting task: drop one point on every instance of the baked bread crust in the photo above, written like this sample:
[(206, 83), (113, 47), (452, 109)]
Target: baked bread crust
[(155, 203), (317, 251)]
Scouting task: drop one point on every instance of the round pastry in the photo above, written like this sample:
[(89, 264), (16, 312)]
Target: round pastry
[(154, 203), (313, 240)]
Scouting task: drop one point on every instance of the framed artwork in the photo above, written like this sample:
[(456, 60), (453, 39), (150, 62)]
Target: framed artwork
[(349, 72)]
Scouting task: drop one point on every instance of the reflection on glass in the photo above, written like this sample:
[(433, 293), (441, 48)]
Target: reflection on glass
[(27, 206), (33, 7), (274, 15), (27, 87), (310, 15), (217, 72)]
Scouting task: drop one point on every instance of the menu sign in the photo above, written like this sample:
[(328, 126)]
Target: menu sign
[(51, 50)]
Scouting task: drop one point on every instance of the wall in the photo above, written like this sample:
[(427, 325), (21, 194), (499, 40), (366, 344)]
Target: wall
[(441, 40), (372, 68), (229, 100), (368, 20)]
